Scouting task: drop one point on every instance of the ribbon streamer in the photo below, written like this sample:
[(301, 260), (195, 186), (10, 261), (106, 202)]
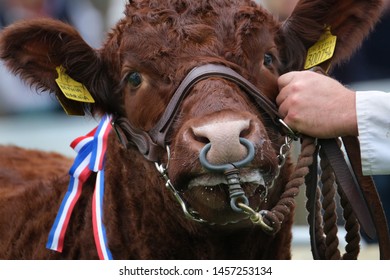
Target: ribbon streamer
[(91, 150)]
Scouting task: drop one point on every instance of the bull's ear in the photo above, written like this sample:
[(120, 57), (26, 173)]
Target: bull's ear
[(349, 20), (37, 49)]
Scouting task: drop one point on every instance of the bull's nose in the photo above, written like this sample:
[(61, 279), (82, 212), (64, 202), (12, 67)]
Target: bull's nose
[(224, 138)]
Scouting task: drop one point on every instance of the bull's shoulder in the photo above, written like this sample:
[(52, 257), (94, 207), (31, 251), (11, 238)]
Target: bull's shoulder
[(18, 165)]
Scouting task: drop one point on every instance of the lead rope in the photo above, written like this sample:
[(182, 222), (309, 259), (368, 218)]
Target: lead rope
[(324, 232), (329, 206), (275, 217), (330, 218), (352, 227)]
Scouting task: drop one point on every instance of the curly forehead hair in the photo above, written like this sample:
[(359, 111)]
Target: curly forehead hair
[(182, 28), (150, 10)]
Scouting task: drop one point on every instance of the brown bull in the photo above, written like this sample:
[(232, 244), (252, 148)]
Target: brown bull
[(134, 77)]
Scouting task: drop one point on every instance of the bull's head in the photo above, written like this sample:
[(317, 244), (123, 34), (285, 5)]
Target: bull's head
[(225, 145)]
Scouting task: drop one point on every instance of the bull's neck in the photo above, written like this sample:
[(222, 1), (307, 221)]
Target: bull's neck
[(136, 201)]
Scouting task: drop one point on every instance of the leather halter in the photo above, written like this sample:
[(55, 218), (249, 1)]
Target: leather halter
[(152, 144)]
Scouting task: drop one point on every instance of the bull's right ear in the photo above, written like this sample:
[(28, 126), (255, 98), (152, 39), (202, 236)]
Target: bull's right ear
[(37, 50), (349, 20)]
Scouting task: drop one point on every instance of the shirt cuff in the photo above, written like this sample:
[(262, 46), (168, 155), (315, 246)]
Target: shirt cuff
[(372, 110)]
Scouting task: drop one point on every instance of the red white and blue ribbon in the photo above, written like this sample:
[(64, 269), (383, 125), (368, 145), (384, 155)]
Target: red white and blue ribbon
[(91, 150)]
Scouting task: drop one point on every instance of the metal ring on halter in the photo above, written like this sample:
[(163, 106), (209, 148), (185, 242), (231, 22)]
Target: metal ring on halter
[(161, 167), (223, 167), (291, 133)]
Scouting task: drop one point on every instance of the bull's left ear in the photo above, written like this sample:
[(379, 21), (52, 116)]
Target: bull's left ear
[(39, 50), (349, 20)]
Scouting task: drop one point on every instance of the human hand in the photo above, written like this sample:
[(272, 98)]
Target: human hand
[(316, 105)]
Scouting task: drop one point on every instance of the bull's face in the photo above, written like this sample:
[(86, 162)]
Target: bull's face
[(216, 114), (156, 45)]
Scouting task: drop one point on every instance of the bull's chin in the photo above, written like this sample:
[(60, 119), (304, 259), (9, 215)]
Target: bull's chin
[(208, 195)]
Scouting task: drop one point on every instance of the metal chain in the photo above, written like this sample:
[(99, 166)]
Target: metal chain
[(188, 212), (283, 154)]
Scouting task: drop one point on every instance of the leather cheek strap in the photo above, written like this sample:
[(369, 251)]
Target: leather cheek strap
[(129, 136)]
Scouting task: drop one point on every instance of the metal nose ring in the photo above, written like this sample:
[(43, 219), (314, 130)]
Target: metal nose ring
[(230, 170), (224, 167)]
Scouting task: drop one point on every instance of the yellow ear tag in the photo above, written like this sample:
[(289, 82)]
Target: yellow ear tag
[(72, 89), (322, 50)]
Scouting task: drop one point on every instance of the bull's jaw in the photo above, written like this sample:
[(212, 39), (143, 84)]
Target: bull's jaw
[(208, 195)]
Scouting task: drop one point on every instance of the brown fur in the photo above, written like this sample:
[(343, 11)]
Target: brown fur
[(164, 40), (30, 164)]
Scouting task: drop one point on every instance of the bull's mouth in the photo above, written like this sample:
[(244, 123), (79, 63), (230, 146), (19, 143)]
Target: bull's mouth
[(208, 195)]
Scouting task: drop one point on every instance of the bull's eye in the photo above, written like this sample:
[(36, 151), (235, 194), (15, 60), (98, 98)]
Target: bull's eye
[(268, 59), (134, 79)]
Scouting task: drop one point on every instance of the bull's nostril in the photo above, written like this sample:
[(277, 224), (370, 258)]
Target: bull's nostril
[(203, 140), (246, 131), (199, 138)]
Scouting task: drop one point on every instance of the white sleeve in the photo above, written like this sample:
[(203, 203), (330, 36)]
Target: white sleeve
[(373, 117)]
